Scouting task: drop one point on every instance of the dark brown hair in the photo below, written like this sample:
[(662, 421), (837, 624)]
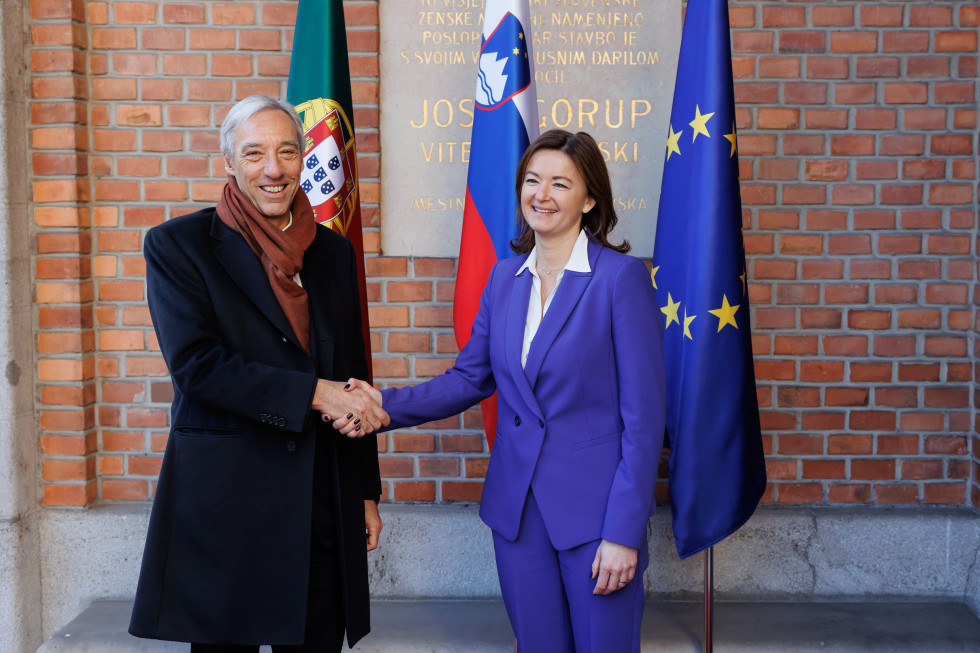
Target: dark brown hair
[(584, 153)]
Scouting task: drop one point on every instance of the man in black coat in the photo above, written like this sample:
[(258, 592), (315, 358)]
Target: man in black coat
[(268, 490)]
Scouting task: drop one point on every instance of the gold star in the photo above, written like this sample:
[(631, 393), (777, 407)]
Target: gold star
[(744, 288), (700, 123), (672, 139), (653, 277), (520, 35), (731, 137), (687, 325), (516, 51), (725, 314), (671, 310)]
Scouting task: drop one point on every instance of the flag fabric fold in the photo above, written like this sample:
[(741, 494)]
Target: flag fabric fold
[(717, 466), (504, 123), (319, 87)]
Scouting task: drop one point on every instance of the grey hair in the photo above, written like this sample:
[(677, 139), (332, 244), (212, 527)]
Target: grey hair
[(245, 109)]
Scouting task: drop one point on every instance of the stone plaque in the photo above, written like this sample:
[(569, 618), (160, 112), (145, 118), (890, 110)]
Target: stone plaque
[(602, 66)]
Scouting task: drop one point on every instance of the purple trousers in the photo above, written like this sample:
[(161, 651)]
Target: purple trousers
[(549, 599)]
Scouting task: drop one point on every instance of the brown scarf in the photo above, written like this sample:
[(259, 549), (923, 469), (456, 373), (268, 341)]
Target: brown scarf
[(281, 252)]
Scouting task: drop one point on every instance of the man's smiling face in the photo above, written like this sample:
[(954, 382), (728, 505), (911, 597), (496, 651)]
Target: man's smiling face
[(267, 162)]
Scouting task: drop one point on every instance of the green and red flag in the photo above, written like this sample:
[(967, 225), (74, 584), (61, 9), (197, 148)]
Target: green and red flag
[(319, 88)]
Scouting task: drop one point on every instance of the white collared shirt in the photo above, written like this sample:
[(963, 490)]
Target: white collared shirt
[(578, 261)]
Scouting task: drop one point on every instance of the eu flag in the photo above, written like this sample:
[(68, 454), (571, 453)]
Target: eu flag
[(717, 467)]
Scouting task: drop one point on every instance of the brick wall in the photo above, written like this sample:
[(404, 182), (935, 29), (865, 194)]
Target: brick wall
[(858, 138)]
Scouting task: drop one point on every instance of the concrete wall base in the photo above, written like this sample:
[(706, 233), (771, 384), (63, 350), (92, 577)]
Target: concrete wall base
[(20, 591), (433, 552)]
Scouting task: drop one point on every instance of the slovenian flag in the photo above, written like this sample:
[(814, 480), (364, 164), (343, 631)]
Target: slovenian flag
[(717, 467), (504, 123)]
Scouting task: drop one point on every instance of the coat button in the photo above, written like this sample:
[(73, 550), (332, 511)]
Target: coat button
[(290, 445), (517, 420)]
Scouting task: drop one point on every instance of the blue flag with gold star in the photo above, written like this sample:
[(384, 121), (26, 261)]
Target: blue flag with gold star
[(717, 468)]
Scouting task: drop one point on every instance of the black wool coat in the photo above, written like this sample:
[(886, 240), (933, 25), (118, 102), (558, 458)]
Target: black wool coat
[(228, 546)]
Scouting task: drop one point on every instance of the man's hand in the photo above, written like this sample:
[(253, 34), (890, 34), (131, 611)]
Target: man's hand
[(354, 410), (372, 523)]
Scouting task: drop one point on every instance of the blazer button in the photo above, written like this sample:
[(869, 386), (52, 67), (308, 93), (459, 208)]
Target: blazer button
[(517, 420), (290, 445)]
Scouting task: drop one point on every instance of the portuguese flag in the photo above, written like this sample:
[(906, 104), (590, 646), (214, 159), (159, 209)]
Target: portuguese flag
[(319, 88)]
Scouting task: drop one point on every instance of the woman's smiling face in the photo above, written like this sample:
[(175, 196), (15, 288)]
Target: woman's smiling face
[(554, 196)]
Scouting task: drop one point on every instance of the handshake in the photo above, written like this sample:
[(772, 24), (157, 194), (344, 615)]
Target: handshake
[(354, 408)]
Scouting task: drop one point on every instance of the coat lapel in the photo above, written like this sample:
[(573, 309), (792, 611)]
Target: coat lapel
[(567, 295), (316, 270), (246, 271)]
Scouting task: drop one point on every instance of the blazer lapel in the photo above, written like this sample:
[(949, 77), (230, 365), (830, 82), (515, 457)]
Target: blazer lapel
[(570, 290), (520, 295), (246, 271)]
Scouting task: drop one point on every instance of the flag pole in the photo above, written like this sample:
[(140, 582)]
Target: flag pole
[(709, 572)]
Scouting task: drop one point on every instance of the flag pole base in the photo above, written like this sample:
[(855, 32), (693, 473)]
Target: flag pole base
[(709, 572)]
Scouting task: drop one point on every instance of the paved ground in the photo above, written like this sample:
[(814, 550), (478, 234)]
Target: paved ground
[(481, 627)]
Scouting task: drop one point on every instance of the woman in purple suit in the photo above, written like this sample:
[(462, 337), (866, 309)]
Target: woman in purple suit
[(569, 336)]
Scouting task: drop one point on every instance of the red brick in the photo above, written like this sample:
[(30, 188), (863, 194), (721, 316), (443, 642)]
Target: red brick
[(878, 67), (895, 493), (462, 491), (786, 67), (873, 469), (850, 493), (804, 93), (870, 372), (894, 346), (114, 489), (953, 493), (832, 16), (956, 42), (873, 269), (902, 144), (946, 444), (925, 118), (877, 169), (415, 491), (800, 493), (802, 42), (824, 469), (881, 16), (906, 93), (947, 397), (69, 495), (755, 93), (826, 119), (904, 41), (850, 42)]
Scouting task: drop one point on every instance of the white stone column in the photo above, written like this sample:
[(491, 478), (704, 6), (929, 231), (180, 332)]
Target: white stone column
[(20, 575)]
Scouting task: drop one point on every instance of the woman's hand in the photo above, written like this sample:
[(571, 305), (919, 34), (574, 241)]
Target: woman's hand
[(357, 403), (613, 567)]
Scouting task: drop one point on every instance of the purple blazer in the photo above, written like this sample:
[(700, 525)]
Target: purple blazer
[(583, 423)]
